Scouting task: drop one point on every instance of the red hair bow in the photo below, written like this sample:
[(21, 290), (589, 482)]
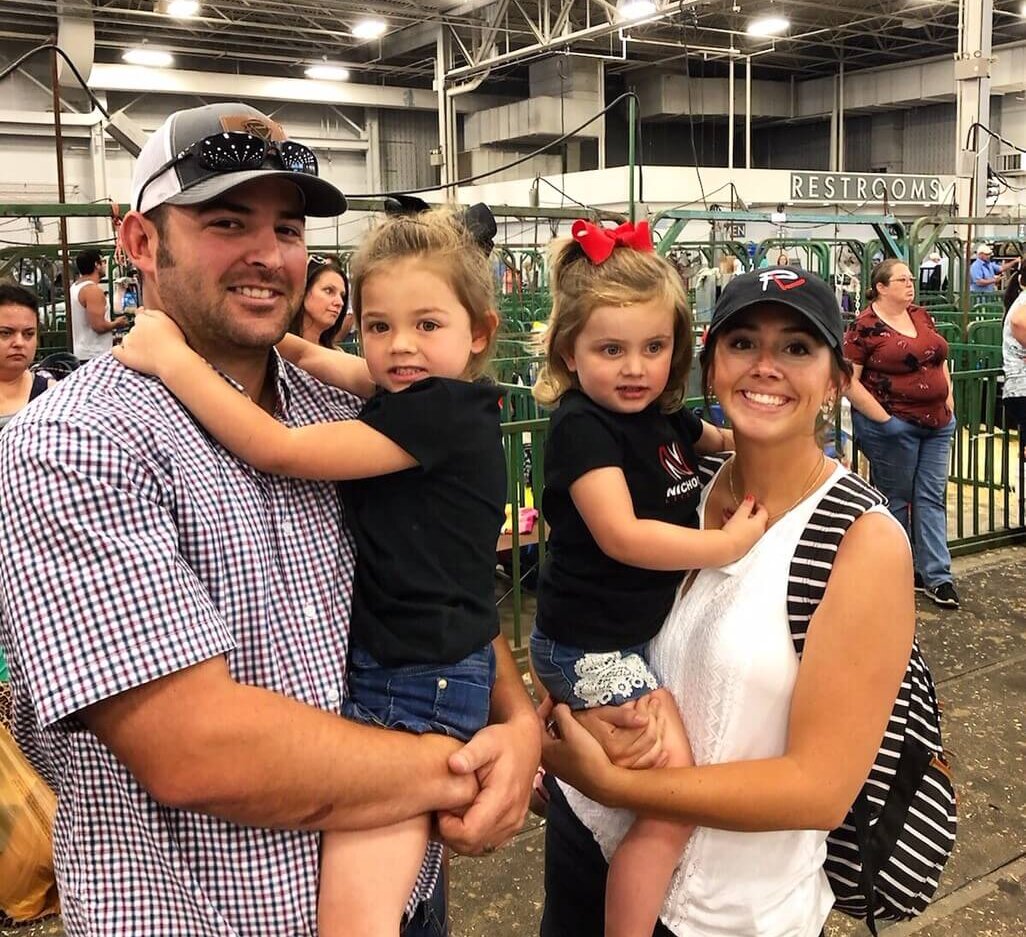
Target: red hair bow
[(598, 242)]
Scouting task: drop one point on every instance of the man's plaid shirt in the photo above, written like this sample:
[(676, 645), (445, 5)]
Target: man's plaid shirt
[(132, 546)]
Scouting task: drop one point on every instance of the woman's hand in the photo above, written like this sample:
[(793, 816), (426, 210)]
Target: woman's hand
[(630, 734), (153, 343), (571, 753)]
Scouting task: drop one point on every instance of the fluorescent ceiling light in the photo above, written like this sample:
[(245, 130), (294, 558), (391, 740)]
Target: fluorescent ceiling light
[(327, 73), (635, 9), (369, 29), (768, 26), (183, 9), (154, 58)]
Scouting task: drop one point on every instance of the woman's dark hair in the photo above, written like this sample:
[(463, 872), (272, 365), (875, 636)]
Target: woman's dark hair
[(882, 273), (1016, 284), (14, 294), (316, 267)]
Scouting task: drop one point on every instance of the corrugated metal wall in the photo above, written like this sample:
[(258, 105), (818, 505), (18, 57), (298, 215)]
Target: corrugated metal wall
[(857, 137), (406, 139), (789, 146), (930, 139)]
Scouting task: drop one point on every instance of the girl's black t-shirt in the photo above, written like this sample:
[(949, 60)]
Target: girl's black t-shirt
[(586, 599), (426, 537)]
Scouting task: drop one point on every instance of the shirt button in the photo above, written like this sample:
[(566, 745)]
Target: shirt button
[(286, 527), (309, 612), (333, 695), (442, 683)]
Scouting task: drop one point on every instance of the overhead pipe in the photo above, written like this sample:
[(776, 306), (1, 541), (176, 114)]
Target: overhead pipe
[(63, 222), (748, 112)]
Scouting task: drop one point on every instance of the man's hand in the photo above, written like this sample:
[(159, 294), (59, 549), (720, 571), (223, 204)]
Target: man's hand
[(504, 758), (153, 343)]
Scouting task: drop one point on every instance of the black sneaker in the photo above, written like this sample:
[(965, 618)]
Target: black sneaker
[(944, 594), (919, 585)]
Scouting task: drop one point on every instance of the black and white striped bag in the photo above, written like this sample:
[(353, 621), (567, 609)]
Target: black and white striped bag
[(885, 860)]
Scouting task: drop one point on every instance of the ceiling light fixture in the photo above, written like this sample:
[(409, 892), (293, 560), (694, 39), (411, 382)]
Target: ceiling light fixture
[(635, 9), (369, 29), (325, 72), (151, 58), (183, 9), (768, 26)]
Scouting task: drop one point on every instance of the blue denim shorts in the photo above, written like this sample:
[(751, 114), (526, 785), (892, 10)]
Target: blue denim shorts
[(449, 699), (586, 679)]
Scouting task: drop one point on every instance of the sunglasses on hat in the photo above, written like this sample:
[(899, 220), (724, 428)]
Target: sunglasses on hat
[(235, 150)]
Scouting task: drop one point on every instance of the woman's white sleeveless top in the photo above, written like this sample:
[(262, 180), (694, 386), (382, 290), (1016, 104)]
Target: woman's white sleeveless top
[(726, 654)]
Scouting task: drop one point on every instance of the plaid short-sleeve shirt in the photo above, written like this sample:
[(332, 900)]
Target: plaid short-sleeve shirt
[(132, 546)]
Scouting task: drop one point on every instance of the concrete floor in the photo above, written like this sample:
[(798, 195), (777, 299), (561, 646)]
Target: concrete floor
[(977, 656)]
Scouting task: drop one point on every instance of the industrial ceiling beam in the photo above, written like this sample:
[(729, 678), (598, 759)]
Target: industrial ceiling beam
[(255, 87)]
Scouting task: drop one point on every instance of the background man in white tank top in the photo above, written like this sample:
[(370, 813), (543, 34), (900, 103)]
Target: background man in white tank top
[(92, 330)]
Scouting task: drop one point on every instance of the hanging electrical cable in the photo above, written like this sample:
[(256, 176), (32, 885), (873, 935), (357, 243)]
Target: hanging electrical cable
[(45, 47)]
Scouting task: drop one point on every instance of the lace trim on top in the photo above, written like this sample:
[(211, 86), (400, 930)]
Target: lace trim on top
[(603, 678)]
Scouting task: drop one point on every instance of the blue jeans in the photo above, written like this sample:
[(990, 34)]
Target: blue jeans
[(449, 699), (430, 918), (584, 679), (909, 465)]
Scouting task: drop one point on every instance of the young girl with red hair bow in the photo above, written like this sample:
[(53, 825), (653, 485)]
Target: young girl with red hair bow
[(621, 497)]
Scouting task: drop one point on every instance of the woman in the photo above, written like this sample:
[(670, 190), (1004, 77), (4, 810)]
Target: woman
[(903, 416), (325, 318), (19, 329), (1013, 354), (781, 750)]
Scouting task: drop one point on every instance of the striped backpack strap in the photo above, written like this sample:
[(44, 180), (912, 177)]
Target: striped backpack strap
[(884, 861), (709, 465), (846, 501)]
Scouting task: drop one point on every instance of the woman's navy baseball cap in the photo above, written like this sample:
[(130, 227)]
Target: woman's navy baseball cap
[(793, 287)]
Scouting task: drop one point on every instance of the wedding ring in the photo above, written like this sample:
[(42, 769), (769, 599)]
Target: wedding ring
[(552, 728)]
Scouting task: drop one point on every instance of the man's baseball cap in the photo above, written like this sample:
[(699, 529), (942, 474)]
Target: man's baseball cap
[(793, 287), (984, 249), (187, 181)]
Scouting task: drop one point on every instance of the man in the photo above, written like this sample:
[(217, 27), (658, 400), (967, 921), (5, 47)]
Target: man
[(984, 273), (177, 622), (92, 332)]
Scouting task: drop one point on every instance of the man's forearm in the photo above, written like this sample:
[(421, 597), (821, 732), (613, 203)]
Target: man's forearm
[(510, 701), (314, 770), (257, 758)]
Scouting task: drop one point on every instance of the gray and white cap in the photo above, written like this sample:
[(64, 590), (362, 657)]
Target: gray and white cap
[(189, 182)]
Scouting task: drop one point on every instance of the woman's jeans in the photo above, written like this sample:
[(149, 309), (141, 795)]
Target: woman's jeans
[(909, 465), (575, 874)]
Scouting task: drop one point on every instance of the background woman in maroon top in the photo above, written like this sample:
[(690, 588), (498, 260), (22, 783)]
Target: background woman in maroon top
[(903, 417)]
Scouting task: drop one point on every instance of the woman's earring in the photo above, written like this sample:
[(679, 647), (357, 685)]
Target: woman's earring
[(827, 410)]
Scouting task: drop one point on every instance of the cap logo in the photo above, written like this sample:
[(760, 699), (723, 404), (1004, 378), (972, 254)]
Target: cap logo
[(784, 279), (247, 123)]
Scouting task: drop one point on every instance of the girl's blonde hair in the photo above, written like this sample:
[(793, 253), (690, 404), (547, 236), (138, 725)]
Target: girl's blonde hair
[(579, 287), (439, 239)]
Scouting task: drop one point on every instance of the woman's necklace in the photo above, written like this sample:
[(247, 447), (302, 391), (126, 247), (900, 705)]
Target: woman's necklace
[(812, 481)]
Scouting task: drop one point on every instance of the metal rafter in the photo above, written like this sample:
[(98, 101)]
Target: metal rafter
[(875, 32)]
